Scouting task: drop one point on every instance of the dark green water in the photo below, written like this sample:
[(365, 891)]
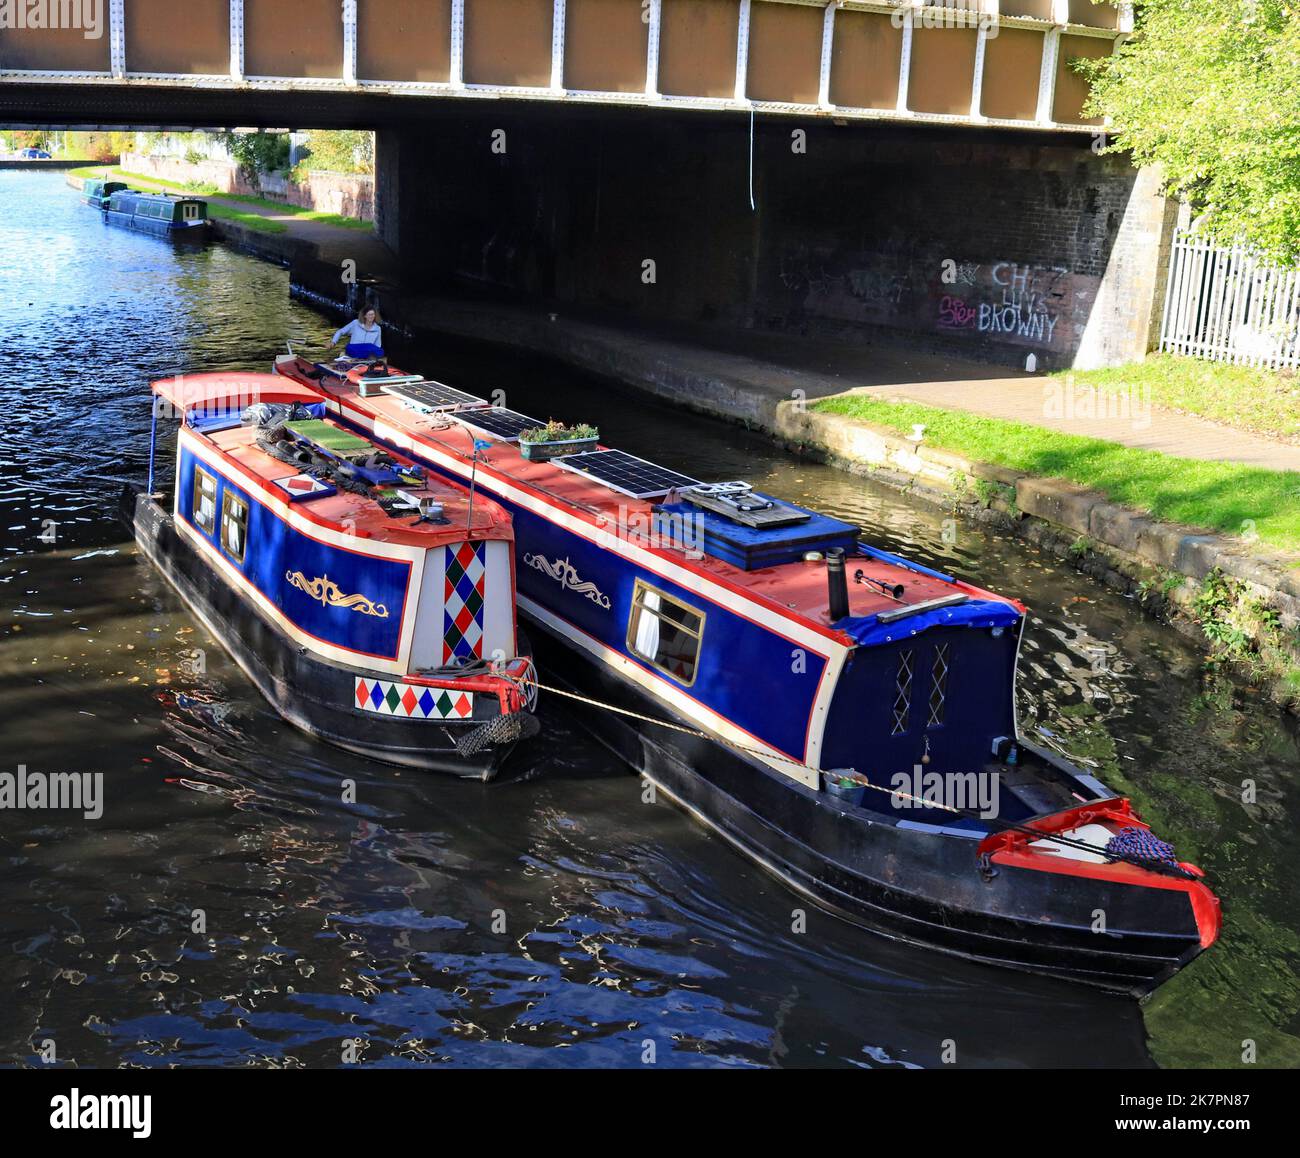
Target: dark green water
[(625, 923)]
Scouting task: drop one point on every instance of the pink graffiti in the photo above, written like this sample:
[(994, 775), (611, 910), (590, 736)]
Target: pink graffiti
[(955, 313)]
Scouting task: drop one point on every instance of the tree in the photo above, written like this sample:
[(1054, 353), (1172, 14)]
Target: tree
[(258, 152), (1210, 91)]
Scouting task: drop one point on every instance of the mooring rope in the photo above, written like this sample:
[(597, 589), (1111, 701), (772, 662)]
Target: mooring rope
[(1156, 866)]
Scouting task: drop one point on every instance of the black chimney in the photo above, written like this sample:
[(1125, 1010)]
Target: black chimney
[(836, 583)]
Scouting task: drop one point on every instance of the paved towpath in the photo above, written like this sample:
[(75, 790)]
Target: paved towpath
[(746, 373)]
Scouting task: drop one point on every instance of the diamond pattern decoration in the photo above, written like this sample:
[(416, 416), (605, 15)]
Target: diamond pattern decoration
[(413, 701), (903, 693), (462, 616), (938, 686)]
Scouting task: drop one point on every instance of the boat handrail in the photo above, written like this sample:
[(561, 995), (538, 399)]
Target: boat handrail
[(925, 605)]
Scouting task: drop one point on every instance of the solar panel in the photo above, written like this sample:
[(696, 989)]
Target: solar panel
[(425, 394), (497, 421), (625, 473)]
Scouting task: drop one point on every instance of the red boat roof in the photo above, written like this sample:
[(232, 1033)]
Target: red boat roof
[(795, 589), (353, 513)]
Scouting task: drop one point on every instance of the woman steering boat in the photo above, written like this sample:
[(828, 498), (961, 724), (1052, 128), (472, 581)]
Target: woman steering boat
[(364, 335)]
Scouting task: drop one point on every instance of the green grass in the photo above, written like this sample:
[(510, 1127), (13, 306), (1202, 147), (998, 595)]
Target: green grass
[(1216, 495), (297, 211), (1261, 401), (254, 221)]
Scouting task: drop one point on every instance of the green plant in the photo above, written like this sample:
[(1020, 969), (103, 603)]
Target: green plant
[(1206, 90), (337, 151), (555, 431), (1081, 546), (258, 152)]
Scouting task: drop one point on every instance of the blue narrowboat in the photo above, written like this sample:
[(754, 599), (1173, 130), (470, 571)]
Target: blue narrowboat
[(843, 716), (97, 193), (370, 600), (161, 214)]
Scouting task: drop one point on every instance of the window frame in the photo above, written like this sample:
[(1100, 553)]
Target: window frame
[(228, 499), (640, 589), (196, 506)]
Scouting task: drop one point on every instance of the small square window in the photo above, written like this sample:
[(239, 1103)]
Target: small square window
[(665, 632), (205, 500), (234, 526)]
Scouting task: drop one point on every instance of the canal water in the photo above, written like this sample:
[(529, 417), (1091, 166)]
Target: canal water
[(229, 908)]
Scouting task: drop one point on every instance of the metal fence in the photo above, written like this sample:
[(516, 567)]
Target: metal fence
[(1227, 305)]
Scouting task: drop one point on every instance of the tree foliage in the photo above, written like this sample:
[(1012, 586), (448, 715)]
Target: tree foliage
[(258, 152), (339, 151), (1210, 91)]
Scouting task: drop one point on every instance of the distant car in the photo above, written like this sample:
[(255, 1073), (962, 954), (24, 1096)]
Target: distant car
[(33, 155)]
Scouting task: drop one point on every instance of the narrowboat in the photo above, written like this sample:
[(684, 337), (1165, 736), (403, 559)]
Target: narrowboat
[(842, 715), (97, 193), (163, 215), (370, 600)]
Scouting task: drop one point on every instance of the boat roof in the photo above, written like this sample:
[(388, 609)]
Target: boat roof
[(795, 589), (207, 399)]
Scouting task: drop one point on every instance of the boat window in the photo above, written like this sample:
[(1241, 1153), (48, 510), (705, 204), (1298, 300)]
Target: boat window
[(938, 687), (190, 212), (205, 500), (666, 632), (234, 526), (903, 693)]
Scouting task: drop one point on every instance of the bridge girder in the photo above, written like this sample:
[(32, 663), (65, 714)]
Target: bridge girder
[(978, 63)]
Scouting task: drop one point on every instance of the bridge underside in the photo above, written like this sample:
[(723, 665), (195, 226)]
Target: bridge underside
[(995, 245), (934, 183), (972, 62)]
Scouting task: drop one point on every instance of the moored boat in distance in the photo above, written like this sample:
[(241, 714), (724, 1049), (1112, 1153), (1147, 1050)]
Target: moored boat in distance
[(97, 192), (371, 601), (160, 214), (842, 715)]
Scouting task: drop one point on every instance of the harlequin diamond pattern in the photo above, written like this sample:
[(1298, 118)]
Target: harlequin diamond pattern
[(413, 701), (462, 616)]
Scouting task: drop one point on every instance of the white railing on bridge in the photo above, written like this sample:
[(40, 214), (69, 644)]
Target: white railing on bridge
[(1227, 304)]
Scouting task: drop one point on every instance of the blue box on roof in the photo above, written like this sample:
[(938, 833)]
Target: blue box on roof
[(751, 548)]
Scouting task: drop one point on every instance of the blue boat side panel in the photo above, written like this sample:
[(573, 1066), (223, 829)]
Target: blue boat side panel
[(295, 572), (752, 547), (868, 631), (759, 680), (876, 728)]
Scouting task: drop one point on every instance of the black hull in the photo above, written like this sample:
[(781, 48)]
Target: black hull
[(187, 235), (912, 885), (307, 692)]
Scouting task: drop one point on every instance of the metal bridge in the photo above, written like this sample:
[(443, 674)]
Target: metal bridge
[(979, 63)]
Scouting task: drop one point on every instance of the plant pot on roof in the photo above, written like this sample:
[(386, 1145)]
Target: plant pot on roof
[(540, 443)]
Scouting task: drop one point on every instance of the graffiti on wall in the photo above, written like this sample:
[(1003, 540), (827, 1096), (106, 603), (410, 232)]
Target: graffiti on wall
[(1000, 302), (1026, 304)]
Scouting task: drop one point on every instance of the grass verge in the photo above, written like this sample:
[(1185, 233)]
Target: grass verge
[(1220, 496), (1261, 401)]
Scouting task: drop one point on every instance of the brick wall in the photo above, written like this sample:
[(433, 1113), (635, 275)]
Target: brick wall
[(994, 245), (349, 195)]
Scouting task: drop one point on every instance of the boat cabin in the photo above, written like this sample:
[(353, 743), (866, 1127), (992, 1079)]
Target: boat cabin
[(161, 214), (357, 554), (96, 192), (761, 621)]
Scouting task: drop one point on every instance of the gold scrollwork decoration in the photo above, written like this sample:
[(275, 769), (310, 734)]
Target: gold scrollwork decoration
[(327, 592)]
